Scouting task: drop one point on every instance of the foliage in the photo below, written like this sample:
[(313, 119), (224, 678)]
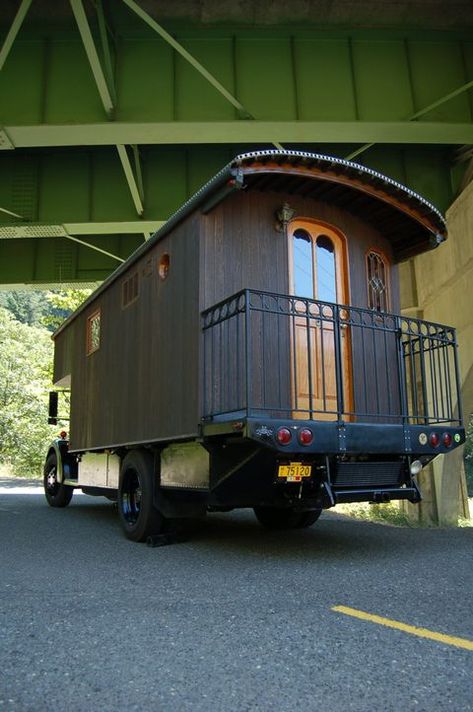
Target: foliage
[(40, 308), (26, 354), (389, 513), (28, 307), (62, 304), (25, 378)]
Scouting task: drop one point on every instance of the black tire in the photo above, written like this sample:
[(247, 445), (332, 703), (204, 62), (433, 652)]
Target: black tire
[(57, 494), (287, 518), (138, 515)]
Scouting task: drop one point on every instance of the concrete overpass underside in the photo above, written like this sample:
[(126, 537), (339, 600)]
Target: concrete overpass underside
[(113, 113)]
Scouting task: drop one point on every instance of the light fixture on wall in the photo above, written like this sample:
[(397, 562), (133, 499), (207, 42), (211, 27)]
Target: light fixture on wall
[(283, 216)]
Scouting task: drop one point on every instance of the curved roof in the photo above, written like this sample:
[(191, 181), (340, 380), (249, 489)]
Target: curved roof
[(410, 222), (404, 217)]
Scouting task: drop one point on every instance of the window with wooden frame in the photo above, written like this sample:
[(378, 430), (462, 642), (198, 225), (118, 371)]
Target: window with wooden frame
[(130, 290), (92, 342), (377, 273)]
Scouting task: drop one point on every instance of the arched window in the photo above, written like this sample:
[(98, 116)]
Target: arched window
[(314, 266), (377, 271)]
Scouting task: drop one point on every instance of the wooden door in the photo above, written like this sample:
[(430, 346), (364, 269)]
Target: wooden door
[(318, 271)]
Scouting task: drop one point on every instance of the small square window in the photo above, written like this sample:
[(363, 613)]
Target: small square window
[(93, 333)]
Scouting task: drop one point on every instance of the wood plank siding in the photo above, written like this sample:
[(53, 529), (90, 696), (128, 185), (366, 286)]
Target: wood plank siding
[(141, 385), (242, 249)]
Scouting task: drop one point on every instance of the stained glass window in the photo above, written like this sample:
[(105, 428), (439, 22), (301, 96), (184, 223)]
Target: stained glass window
[(93, 332), (377, 273)]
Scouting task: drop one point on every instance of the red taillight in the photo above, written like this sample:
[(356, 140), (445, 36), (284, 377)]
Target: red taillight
[(447, 439), (284, 436), (434, 439), (305, 436)]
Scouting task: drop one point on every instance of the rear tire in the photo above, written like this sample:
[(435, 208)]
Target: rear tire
[(138, 515), (287, 518), (57, 494)]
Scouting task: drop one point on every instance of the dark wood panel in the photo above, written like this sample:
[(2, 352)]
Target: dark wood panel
[(242, 248), (142, 384), (63, 355)]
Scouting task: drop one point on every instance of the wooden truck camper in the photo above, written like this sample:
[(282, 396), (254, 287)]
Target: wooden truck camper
[(252, 354)]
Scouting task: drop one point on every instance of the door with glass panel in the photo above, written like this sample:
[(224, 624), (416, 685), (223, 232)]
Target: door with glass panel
[(318, 271)]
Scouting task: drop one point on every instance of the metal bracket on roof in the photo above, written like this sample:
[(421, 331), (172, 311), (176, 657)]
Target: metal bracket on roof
[(436, 240), (236, 182)]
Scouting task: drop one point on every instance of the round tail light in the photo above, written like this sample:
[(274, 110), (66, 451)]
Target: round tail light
[(447, 439), (305, 436), (284, 436), (434, 439)]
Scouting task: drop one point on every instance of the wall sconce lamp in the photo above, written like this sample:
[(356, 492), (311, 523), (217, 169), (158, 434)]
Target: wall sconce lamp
[(283, 216)]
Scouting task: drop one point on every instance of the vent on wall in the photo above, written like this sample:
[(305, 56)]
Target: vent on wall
[(130, 290)]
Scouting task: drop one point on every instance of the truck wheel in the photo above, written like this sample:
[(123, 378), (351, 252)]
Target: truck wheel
[(279, 518), (138, 515), (57, 494)]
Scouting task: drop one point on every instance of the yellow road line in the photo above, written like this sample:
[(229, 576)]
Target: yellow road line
[(412, 629)]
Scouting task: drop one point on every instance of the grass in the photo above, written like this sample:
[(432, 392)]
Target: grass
[(381, 513), (390, 514)]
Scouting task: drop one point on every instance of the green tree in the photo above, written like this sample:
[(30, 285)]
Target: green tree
[(25, 377), (62, 304), (29, 307)]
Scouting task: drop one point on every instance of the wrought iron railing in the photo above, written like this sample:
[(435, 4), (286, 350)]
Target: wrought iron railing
[(287, 356)]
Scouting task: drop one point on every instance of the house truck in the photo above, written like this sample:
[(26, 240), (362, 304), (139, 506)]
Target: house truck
[(252, 353)]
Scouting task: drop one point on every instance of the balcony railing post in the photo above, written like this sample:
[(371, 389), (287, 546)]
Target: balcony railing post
[(247, 351), (423, 376), (309, 360), (338, 362), (457, 381), (401, 365)]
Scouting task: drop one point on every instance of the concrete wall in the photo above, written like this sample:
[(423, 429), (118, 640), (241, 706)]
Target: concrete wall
[(438, 286)]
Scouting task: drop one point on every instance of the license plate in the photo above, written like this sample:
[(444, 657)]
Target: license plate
[(294, 471)]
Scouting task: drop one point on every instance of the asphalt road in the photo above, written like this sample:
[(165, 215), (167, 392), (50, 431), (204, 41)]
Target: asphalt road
[(236, 618)]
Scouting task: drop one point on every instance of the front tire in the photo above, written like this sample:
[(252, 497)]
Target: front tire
[(138, 515), (57, 494), (286, 518)]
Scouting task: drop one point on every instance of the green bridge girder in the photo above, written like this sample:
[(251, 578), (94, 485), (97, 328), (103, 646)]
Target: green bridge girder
[(103, 134)]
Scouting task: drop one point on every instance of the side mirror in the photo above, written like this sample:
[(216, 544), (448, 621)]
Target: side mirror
[(52, 412)]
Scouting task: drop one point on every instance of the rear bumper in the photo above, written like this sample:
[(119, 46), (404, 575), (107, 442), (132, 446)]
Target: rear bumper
[(345, 438)]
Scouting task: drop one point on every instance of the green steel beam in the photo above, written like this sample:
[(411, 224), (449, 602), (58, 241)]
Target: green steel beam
[(188, 57), (138, 171), (10, 212), (40, 230), (13, 31), (114, 228), (89, 46), (130, 178), (107, 55), (418, 114), (228, 132), (94, 247)]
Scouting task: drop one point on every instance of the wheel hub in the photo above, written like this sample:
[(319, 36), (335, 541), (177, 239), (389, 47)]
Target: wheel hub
[(51, 479)]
